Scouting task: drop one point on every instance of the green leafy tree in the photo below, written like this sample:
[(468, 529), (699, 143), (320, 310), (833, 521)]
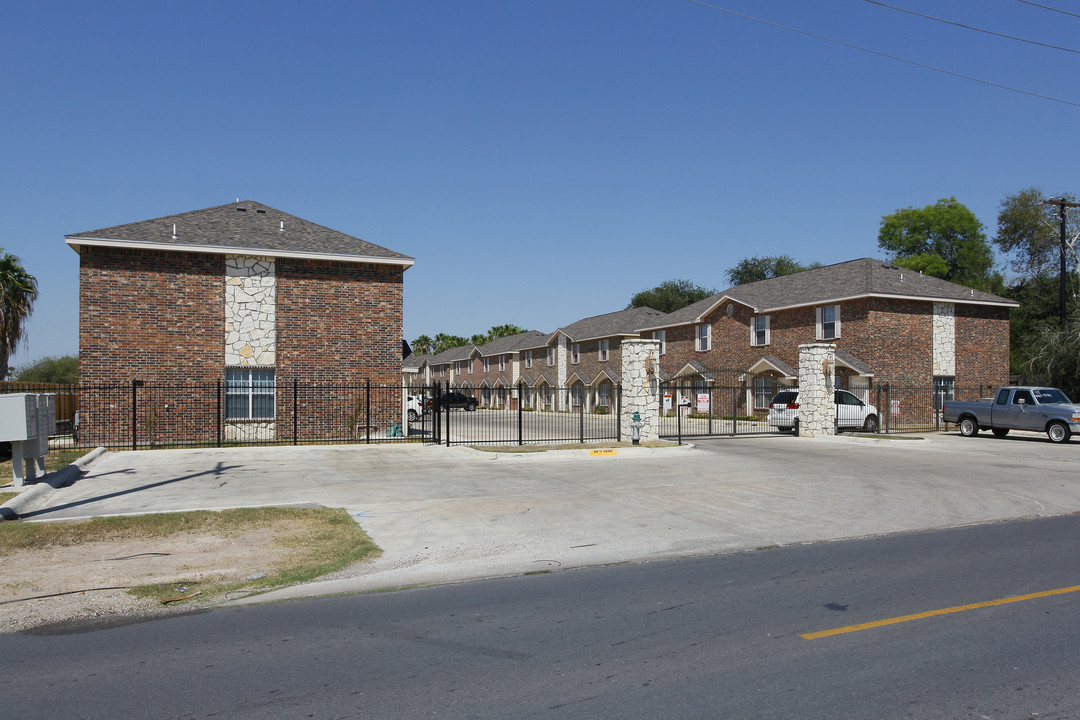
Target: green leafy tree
[(753, 269), (1029, 234), (945, 240), (478, 339), (18, 290), (670, 295), (62, 370), (1055, 356)]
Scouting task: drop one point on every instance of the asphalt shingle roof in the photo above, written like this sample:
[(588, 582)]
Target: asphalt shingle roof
[(622, 322), (513, 343), (241, 226), (852, 279)]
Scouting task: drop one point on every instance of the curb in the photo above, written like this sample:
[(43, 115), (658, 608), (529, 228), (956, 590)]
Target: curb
[(47, 485)]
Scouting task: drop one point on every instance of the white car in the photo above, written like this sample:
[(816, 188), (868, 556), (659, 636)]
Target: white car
[(851, 412), (415, 406)]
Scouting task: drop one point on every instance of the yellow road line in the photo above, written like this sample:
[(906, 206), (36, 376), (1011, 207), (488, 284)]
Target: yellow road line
[(933, 613)]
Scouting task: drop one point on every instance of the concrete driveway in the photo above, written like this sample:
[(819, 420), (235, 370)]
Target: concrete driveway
[(446, 514)]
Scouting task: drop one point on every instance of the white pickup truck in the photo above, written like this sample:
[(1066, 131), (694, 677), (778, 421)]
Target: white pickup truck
[(1040, 409)]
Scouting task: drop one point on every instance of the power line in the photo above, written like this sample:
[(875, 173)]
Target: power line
[(971, 27), (885, 55), (1053, 9)]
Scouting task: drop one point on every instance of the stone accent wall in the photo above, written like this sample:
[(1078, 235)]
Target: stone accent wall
[(640, 389), (944, 339), (817, 402), (562, 360), (250, 311)]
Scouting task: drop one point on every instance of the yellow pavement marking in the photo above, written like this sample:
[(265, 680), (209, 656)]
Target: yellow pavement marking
[(933, 613), (603, 452)]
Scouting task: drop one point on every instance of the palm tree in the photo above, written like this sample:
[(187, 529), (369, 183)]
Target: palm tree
[(422, 345), (18, 290)]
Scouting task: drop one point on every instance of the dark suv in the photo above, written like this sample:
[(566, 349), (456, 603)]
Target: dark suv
[(453, 400)]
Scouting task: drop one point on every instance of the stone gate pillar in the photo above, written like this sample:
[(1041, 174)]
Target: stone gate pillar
[(641, 387), (817, 400)]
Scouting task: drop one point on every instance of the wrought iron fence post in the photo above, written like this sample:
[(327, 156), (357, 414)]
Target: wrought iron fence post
[(521, 415), (888, 415), (618, 413), (447, 407), (295, 411), (219, 413), (734, 411), (581, 421), (678, 414), (135, 384), (367, 410)]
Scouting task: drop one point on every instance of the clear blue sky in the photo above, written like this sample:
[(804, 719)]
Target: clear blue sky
[(541, 160)]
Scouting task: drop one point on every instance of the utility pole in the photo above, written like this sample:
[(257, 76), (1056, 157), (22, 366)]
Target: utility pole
[(1062, 204)]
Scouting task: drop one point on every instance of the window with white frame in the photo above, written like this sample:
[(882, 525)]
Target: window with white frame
[(604, 395), (603, 350), (703, 334), (575, 353), (249, 393), (661, 335), (527, 400), (487, 364), (502, 363), (828, 322), (759, 330), (764, 390), (457, 367), (551, 356), (528, 358), (943, 390), (577, 394)]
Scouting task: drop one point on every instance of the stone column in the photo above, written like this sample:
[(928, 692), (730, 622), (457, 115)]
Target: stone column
[(560, 373), (944, 339), (641, 387), (817, 400)]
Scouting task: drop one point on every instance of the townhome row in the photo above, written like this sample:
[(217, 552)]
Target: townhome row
[(889, 325)]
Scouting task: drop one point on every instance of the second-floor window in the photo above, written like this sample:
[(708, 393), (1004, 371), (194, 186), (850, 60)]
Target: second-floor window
[(487, 364), (551, 356), (575, 353), (661, 335), (828, 322), (458, 367), (759, 330), (704, 338), (502, 363), (528, 358), (603, 350)]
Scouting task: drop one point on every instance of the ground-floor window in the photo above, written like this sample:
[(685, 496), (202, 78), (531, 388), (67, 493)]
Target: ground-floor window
[(576, 394), (527, 400), (249, 394), (764, 389), (943, 390), (604, 395)]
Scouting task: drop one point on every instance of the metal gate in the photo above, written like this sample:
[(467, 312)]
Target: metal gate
[(715, 411)]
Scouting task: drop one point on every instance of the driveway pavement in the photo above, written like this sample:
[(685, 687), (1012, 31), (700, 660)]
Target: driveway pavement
[(449, 514)]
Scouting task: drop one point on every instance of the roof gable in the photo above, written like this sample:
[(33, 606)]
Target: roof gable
[(245, 227)]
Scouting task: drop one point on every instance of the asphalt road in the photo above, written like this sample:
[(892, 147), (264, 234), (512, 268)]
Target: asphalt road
[(712, 637)]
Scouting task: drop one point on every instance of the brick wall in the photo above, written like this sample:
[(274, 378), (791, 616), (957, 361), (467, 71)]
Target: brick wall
[(982, 346), (156, 316), (339, 323)]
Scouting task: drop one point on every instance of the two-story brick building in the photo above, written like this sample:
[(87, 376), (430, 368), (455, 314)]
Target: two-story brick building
[(889, 324), (242, 294)]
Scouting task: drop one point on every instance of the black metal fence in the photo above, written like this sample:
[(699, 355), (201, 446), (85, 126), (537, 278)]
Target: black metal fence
[(694, 411), (523, 415), (905, 409), (140, 415)]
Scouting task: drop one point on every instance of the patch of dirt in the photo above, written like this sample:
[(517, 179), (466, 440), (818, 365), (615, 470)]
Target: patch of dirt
[(88, 582)]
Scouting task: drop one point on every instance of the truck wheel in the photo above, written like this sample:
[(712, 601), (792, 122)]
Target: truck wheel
[(1000, 432), (1058, 432), (968, 427)]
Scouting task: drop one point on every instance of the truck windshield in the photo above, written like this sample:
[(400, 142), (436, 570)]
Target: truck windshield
[(1050, 396)]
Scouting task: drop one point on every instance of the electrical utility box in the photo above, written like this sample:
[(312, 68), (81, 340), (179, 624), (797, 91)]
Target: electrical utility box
[(26, 421)]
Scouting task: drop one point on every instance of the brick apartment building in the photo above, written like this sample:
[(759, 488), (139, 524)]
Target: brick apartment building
[(889, 324), (240, 294)]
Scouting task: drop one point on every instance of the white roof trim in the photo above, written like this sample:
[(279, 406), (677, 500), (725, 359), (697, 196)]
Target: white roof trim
[(76, 242), (766, 363)]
